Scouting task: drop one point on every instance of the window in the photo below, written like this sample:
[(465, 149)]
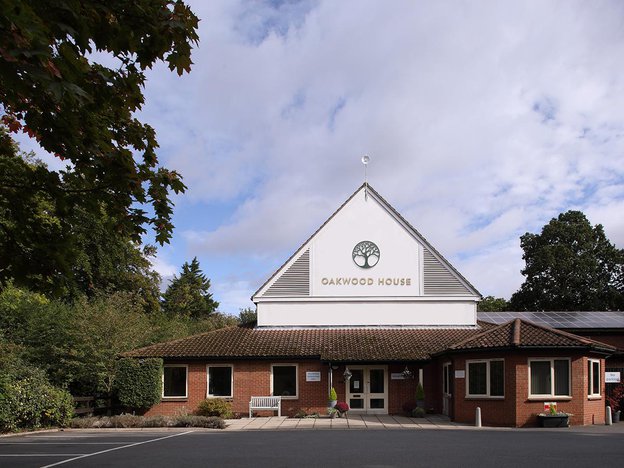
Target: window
[(446, 378), (486, 378), (220, 381), (284, 380), (593, 377), (549, 377), (175, 381)]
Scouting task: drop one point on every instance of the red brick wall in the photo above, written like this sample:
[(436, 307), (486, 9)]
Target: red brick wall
[(516, 409), (253, 378)]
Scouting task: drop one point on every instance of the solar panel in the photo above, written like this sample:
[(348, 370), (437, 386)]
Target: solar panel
[(556, 319)]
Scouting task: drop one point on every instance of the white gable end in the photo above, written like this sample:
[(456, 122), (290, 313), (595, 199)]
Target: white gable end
[(366, 266)]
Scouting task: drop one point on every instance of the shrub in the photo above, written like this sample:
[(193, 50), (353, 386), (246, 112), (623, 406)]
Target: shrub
[(199, 421), (129, 420), (616, 399), (420, 392), (28, 400), (139, 382), (300, 414), (418, 413), (214, 407), (342, 407), (333, 396)]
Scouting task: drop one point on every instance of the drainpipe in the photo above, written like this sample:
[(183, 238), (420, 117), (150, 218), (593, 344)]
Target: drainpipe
[(331, 378)]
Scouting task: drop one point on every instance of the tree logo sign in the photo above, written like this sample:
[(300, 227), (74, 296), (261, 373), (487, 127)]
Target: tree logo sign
[(365, 254)]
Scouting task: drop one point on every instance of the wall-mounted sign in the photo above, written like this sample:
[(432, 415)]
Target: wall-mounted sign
[(612, 377), (460, 374), (365, 254), (313, 376), (397, 376)]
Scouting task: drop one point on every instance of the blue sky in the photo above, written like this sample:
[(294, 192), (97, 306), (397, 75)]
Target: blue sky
[(483, 121)]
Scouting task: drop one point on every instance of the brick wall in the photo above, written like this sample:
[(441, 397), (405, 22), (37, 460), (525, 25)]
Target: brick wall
[(517, 409)]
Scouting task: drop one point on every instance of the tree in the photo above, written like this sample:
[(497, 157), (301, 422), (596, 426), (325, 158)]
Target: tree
[(83, 112), (188, 295), (570, 265), (247, 316), (492, 304)]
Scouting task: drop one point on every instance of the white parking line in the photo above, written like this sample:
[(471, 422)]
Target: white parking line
[(116, 448), (40, 454)]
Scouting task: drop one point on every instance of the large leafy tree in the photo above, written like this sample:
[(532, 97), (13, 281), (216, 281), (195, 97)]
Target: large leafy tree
[(570, 265), (187, 295), (492, 304), (55, 87), (64, 251)]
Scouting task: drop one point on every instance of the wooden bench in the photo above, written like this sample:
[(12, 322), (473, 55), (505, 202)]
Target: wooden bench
[(270, 403)]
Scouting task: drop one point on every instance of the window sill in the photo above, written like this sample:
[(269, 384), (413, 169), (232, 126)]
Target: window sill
[(219, 397), (484, 397), (171, 398), (549, 398), (594, 397), (289, 397)]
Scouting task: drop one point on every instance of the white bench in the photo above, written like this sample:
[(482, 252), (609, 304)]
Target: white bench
[(270, 403)]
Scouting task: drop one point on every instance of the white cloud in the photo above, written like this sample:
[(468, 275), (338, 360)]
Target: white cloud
[(483, 121)]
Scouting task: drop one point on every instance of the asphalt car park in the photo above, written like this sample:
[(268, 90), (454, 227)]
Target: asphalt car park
[(572, 447)]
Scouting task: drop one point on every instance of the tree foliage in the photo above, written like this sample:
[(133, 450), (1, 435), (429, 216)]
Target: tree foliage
[(82, 111), (570, 265), (187, 295), (492, 304)]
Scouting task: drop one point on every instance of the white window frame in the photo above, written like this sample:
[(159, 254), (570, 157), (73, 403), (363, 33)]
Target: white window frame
[(551, 395), (446, 378), (171, 397), (590, 374), (488, 383), (287, 364), (208, 395)]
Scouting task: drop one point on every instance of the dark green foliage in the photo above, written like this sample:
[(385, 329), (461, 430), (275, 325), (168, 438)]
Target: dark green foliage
[(187, 295), (27, 399), (420, 392), (570, 265), (492, 304), (83, 112), (214, 407), (139, 382), (247, 316), (418, 412)]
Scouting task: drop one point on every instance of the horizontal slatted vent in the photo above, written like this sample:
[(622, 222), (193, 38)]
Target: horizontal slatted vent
[(295, 281), (438, 280)]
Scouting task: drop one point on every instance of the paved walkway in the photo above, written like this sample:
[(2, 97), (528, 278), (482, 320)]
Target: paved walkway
[(350, 422)]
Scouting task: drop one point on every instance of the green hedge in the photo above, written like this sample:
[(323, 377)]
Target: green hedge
[(139, 382)]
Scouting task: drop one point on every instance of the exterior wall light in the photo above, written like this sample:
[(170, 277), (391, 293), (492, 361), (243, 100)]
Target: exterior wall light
[(407, 374), (347, 375)]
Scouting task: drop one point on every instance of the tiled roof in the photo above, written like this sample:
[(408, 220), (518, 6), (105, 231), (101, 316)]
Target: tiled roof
[(522, 334), (362, 344), (354, 344)]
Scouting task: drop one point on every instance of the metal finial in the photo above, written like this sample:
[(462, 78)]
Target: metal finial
[(365, 161)]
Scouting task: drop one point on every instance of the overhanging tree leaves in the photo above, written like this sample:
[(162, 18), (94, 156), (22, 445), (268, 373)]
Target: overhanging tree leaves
[(188, 296), (83, 112), (570, 265)]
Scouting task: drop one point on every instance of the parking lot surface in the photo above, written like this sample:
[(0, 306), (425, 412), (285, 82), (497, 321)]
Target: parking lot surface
[(155, 448)]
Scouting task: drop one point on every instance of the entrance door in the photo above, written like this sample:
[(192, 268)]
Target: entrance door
[(446, 389), (367, 391)]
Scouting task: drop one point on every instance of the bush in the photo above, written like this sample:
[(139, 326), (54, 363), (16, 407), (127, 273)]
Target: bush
[(28, 400), (332, 395), (420, 392), (418, 413), (129, 420), (139, 382), (215, 407), (342, 407)]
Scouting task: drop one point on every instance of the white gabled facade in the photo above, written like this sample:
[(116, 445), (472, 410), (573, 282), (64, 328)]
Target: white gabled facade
[(404, 282)]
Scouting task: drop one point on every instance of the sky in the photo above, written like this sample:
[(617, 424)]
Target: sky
[(483, 120)]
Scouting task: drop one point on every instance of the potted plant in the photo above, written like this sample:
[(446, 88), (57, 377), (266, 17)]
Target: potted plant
[(332, 412), (615, 401), (420, 396), (554, 418), (342, 408), (333, 397)]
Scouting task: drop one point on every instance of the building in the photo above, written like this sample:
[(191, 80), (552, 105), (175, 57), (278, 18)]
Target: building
[(368, 306)]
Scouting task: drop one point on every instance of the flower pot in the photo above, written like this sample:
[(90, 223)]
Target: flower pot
[(420, 403), (615, 416), (332, 403), (554, 420)]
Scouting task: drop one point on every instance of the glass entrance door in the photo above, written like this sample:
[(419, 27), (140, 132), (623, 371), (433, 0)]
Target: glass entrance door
[(367, 391)]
